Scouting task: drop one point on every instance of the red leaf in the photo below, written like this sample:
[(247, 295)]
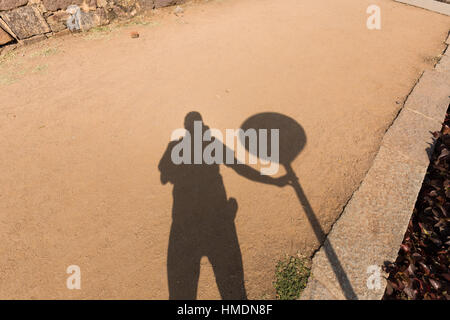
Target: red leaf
[(404, 248), (446, 276), (436, 285)]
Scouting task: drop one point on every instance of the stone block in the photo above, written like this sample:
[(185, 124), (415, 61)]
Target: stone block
[(102, 3), (432, 5), (166, 3), (25, 22), (63, 33), (430, 97), (34, 39), (121, 12), (444, 63), (411, 135), (99, 17), (58, 21), (316, 291), (5, 37), (371, 227), (146, 4), (54, 5), (11, 4)]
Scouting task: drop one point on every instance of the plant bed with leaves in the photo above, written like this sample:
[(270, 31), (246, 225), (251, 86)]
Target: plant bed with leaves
[(291, 277), (421, 270)]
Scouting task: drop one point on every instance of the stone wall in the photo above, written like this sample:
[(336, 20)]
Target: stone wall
[(27, 21)]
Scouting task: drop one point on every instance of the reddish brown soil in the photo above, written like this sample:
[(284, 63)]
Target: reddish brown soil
[(84, 121)]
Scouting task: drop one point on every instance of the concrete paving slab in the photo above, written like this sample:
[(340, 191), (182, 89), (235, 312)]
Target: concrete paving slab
[(431, 5), (372, 225), (412, 136), (430, 97), (444, 64), (316, 291), (4, 37)]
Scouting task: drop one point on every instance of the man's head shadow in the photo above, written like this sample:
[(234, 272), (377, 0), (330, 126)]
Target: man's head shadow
[(190, 119)]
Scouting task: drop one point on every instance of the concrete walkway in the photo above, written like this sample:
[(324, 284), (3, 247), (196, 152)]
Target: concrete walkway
[(373, 224), (432, 5), (85, 120)]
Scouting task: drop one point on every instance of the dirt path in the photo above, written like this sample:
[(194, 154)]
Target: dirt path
[(85, 120)]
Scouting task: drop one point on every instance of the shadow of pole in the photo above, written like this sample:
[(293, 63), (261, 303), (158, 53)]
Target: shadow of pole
[(292, 139), (321, 236)]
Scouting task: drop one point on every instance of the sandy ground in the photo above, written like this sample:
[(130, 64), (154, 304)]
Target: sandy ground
[(85, 120)]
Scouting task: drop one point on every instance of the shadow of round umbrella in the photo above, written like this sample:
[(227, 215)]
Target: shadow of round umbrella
[(292, 140), (292, 137)]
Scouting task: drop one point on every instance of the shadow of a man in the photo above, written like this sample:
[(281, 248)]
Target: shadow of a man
[(203, 222)]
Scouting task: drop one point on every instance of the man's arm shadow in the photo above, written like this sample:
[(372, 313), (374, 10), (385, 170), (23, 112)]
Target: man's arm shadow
[(168, 168)]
